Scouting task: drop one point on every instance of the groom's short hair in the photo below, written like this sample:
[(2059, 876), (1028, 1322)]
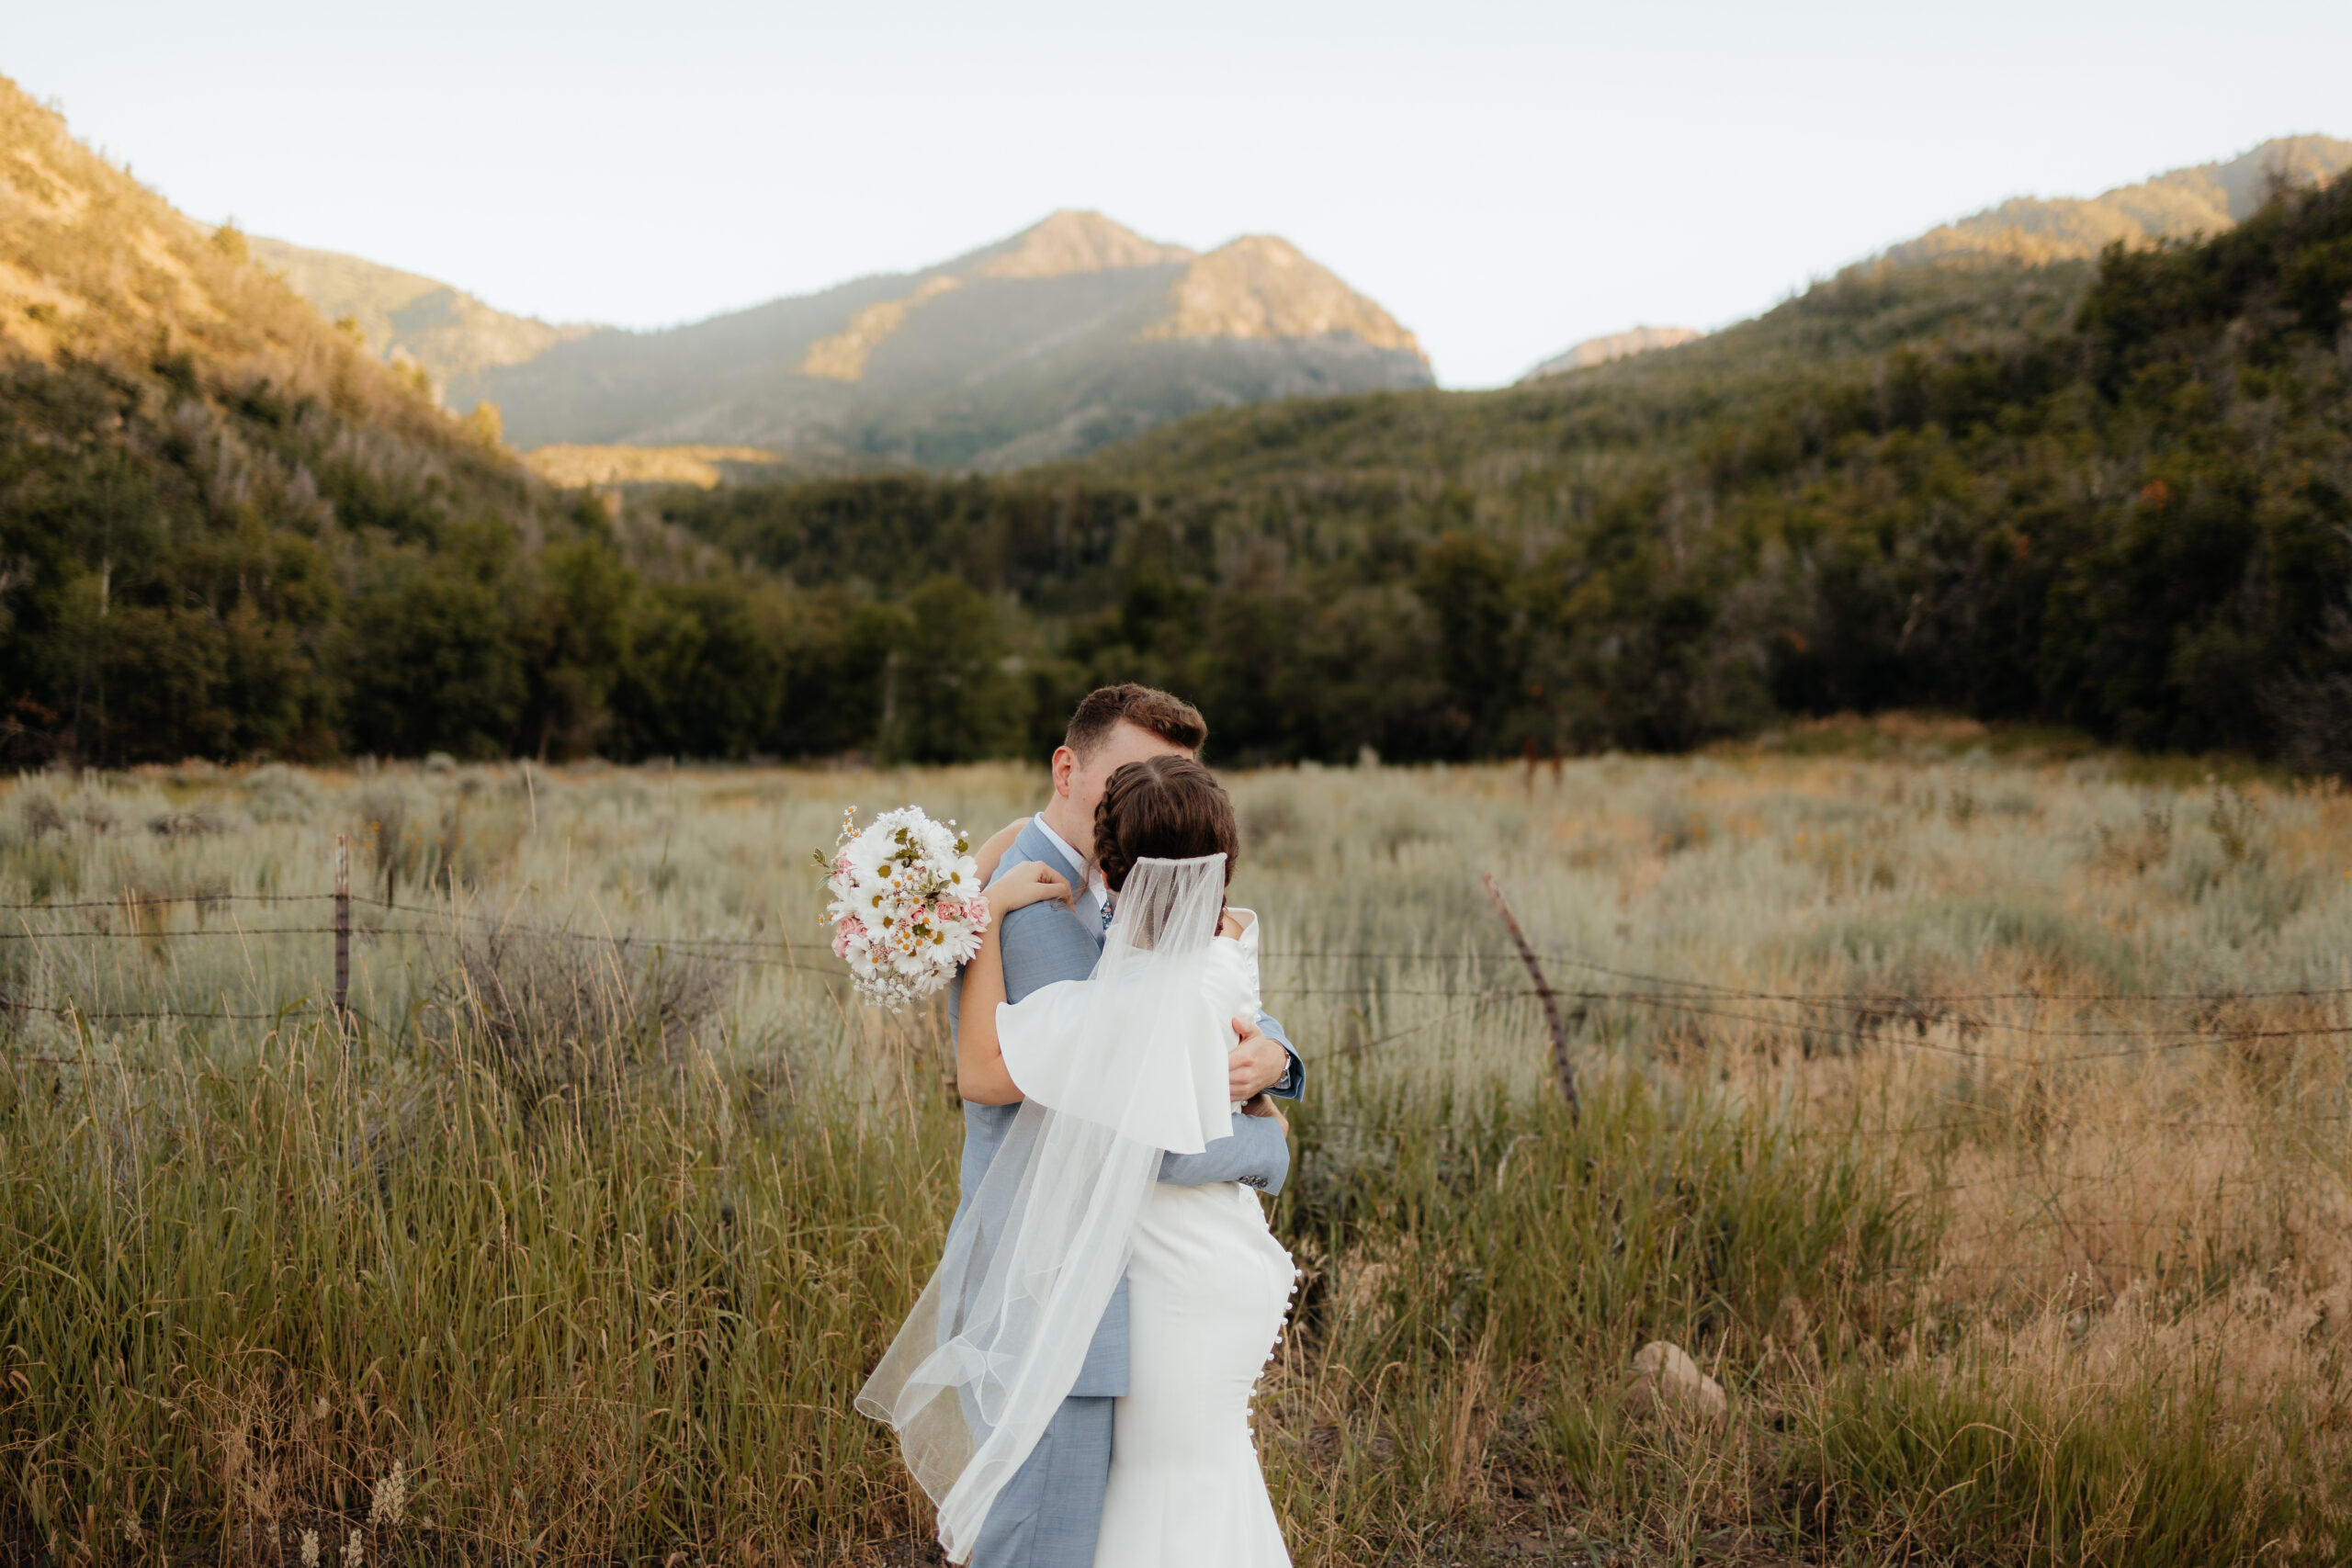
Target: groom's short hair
[(1103, 709)]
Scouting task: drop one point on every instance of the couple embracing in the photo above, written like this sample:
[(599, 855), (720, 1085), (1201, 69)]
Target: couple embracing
[(1073, 1386)]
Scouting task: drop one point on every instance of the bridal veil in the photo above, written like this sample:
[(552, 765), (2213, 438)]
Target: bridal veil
[(1115, 1069)]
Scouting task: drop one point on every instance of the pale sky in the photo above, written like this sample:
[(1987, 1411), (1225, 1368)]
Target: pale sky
[(1505, 179)]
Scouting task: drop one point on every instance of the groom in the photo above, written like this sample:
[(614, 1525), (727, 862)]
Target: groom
[(1048, 1514)]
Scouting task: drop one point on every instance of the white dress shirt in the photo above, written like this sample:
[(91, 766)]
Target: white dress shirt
[(1097, 890)]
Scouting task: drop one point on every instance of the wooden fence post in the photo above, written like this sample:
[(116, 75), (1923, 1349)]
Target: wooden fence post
[(1560, 1062), (343, 932)]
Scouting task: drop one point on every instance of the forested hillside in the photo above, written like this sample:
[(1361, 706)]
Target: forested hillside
[(2110, 496), (226, 531)]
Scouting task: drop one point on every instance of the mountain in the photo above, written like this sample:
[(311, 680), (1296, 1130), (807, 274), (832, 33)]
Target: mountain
[(2205, 199), (406, 318), (1616, 345), (1073, 334), (2110, 494)]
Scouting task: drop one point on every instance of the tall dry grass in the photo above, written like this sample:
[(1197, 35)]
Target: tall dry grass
[(590, 1228)]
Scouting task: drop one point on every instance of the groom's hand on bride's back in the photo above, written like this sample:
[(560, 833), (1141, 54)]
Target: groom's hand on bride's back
[(1256, 1064)]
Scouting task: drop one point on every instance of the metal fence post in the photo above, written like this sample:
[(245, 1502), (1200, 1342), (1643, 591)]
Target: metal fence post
[(343, 932), (1560, 1062)]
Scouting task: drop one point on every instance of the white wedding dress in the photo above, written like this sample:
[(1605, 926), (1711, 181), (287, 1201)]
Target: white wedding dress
[(1114, 1069), (1208, 1287)]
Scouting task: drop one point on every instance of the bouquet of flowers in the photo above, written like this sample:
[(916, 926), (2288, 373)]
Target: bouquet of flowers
[(907, 904)]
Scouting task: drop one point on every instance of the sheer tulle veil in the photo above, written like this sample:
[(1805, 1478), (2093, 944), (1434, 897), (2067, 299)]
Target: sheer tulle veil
[(1114, 1068)]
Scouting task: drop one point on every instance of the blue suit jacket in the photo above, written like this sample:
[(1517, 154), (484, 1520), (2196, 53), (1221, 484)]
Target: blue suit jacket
[(1049, 942)]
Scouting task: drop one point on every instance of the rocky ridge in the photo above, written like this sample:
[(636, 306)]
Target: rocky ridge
[(1068, 243), (406, 319), (2206, 198), (1261, 286)]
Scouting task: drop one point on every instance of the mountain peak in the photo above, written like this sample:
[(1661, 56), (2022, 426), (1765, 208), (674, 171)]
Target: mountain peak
[(1616, 345), (1261, 286), (1070, 242)]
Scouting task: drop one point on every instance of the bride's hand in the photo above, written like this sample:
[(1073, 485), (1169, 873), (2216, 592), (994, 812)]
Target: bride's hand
[(1263, 1105), (1029, 883)]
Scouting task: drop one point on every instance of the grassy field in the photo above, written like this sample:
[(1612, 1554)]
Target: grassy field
[(1976, 1114)]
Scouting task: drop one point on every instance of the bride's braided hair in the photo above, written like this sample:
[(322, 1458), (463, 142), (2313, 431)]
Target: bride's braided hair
[(1163, 808)]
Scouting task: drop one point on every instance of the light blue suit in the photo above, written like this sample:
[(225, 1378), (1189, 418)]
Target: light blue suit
[(1050, 1513)]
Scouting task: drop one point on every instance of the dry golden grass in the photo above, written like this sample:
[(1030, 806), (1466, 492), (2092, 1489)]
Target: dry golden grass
[(571, 466), (1978, 1122)]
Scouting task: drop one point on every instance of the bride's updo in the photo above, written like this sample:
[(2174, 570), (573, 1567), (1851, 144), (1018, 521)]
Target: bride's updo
[(1163, 808)]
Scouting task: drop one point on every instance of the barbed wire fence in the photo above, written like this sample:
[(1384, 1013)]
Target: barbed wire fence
[(1864, 1013), (1953, 1023), (1978, 1026)]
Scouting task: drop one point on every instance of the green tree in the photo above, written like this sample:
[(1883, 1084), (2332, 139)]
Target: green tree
[(1467, 585), (707, 679), (948, 695), (435, 664), (577, 641)]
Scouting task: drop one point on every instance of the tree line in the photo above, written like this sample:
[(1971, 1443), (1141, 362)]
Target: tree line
[(2111, 497)]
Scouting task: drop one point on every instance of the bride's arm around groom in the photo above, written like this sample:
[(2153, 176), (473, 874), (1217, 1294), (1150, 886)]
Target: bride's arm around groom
[(1051, 941)]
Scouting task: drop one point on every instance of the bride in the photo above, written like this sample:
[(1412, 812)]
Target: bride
[(1113, 1070)]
